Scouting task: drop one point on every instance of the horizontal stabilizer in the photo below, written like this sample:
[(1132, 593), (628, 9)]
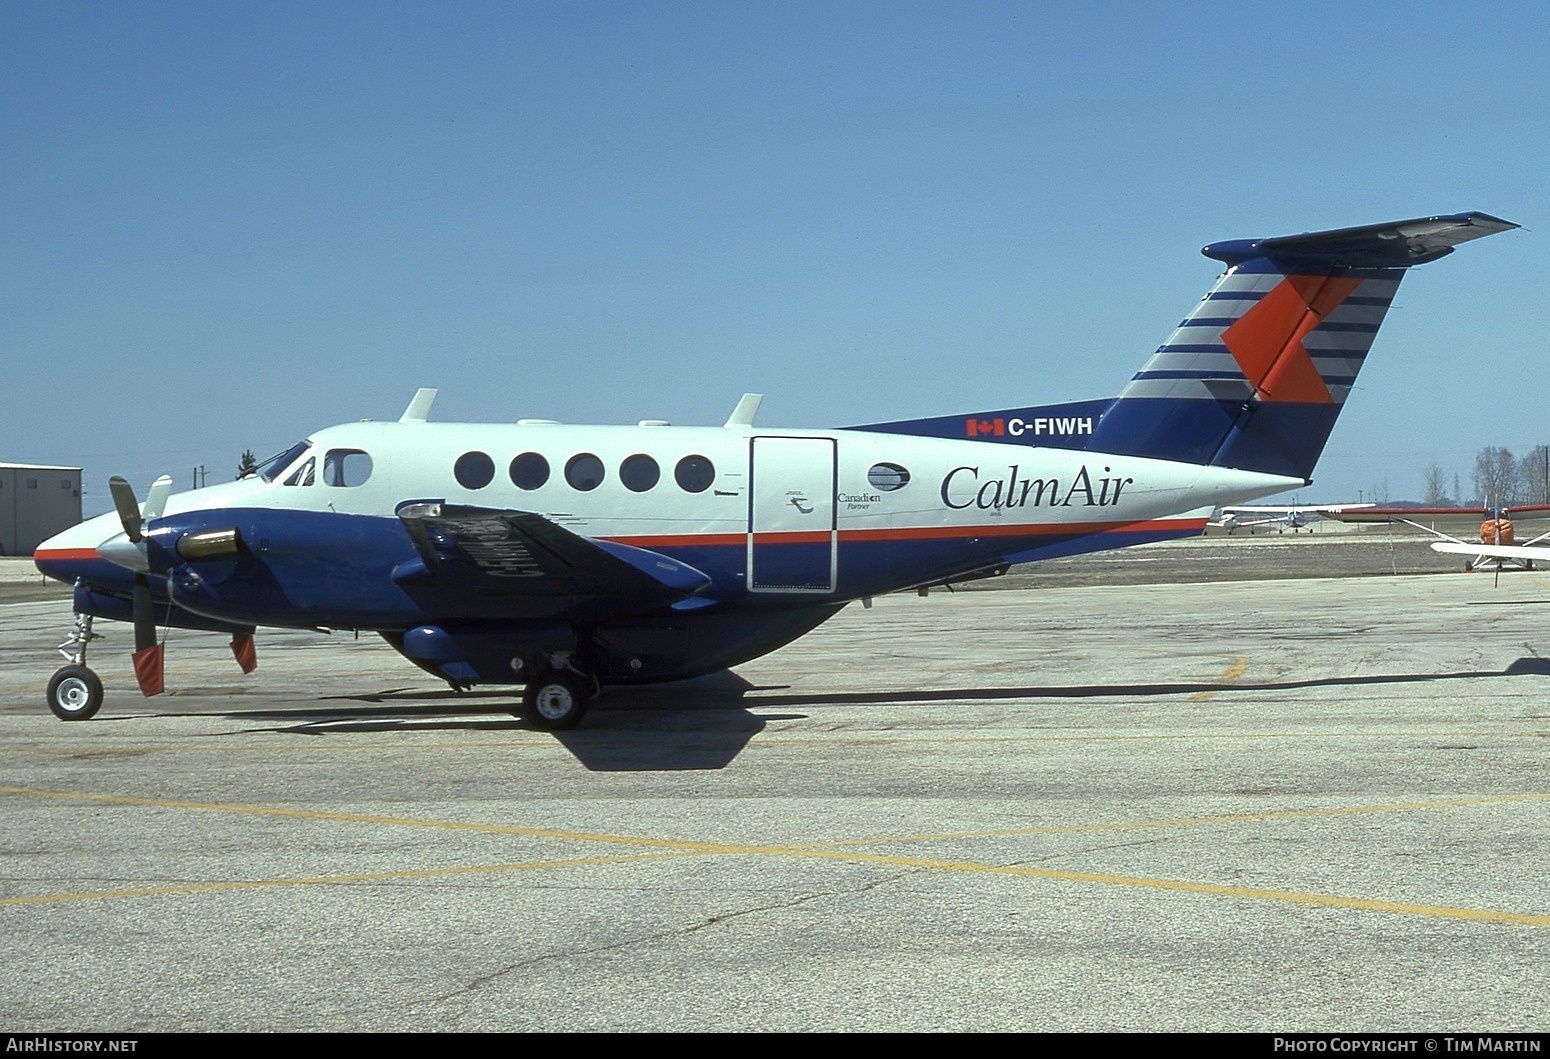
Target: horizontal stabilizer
[(1395, 244)]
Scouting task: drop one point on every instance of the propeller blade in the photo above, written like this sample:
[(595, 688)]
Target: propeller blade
[(148, 653), (129, 549), (128, 507), (144, 612), (156, 499)]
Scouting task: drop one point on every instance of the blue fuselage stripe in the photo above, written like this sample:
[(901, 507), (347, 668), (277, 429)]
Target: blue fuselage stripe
[(304, 569)]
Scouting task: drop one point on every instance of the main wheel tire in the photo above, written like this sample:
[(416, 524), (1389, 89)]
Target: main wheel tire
[(74, 693), (555, 702)]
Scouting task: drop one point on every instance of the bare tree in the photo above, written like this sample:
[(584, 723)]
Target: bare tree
[(247, 465), (1534, 475), (1435, 481), (1496, 476)]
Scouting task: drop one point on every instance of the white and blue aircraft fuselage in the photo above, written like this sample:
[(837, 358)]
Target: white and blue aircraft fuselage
[(565, 557)]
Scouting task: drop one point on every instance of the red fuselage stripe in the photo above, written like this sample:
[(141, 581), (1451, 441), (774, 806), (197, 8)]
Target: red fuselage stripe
[(68, 555), (795, 537)]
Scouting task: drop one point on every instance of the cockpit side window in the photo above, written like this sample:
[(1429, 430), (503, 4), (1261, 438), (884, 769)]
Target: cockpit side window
[(346, 467), (303, 475), (271, 468)]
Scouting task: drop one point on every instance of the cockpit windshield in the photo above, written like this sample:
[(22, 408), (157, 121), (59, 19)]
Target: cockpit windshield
[(271, 468)]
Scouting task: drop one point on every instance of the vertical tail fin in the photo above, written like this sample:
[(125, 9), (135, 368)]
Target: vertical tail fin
[(1256, 375)]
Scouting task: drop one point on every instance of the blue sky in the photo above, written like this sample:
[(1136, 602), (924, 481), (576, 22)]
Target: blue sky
[(223, 226)]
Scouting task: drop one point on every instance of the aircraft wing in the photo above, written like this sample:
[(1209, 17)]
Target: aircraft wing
[(1418, 515), (1335, 510), (1492, 551), (521, 553), (1330, 510)]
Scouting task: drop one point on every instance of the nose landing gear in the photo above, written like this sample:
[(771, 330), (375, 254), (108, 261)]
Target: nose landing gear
[(75, 692)]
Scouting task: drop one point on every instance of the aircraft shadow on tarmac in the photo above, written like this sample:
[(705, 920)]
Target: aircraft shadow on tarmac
[(688, 725), (705, 723)]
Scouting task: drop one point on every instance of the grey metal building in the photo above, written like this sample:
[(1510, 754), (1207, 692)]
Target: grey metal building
[(36, 502)]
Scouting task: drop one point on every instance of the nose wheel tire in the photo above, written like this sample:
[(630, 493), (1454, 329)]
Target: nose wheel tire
[(555, 702), (74, 693)]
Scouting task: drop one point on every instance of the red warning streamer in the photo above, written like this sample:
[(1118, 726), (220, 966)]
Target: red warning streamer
[(148, 670)]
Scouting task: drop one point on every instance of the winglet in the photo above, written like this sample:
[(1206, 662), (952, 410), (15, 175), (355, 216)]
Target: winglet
[(419, 409), (747, 408)]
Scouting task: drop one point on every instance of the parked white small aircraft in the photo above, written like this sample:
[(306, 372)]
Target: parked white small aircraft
[(565, 558), (1493, 544), (1295, 516)]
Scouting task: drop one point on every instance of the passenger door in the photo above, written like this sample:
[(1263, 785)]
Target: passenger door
[(792, 539)]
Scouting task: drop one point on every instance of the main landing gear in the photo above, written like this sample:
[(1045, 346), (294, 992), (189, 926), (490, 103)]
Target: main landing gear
[(556, 701), (75, 692)]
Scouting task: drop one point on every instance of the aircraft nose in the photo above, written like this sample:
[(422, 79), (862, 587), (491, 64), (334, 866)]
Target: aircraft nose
[(73, 554)]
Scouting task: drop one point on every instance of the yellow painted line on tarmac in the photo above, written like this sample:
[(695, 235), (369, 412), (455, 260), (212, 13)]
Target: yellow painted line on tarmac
[(1215, 889), (366, 818), (1235, 669), (716, 847), (1188, 821), (669, 847), (330, 880)]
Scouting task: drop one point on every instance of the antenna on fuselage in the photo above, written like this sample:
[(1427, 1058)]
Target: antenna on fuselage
[(747, 408), (419, 409)]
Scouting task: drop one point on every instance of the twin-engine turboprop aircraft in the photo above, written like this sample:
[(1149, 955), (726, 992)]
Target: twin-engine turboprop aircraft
[(565, 558)]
